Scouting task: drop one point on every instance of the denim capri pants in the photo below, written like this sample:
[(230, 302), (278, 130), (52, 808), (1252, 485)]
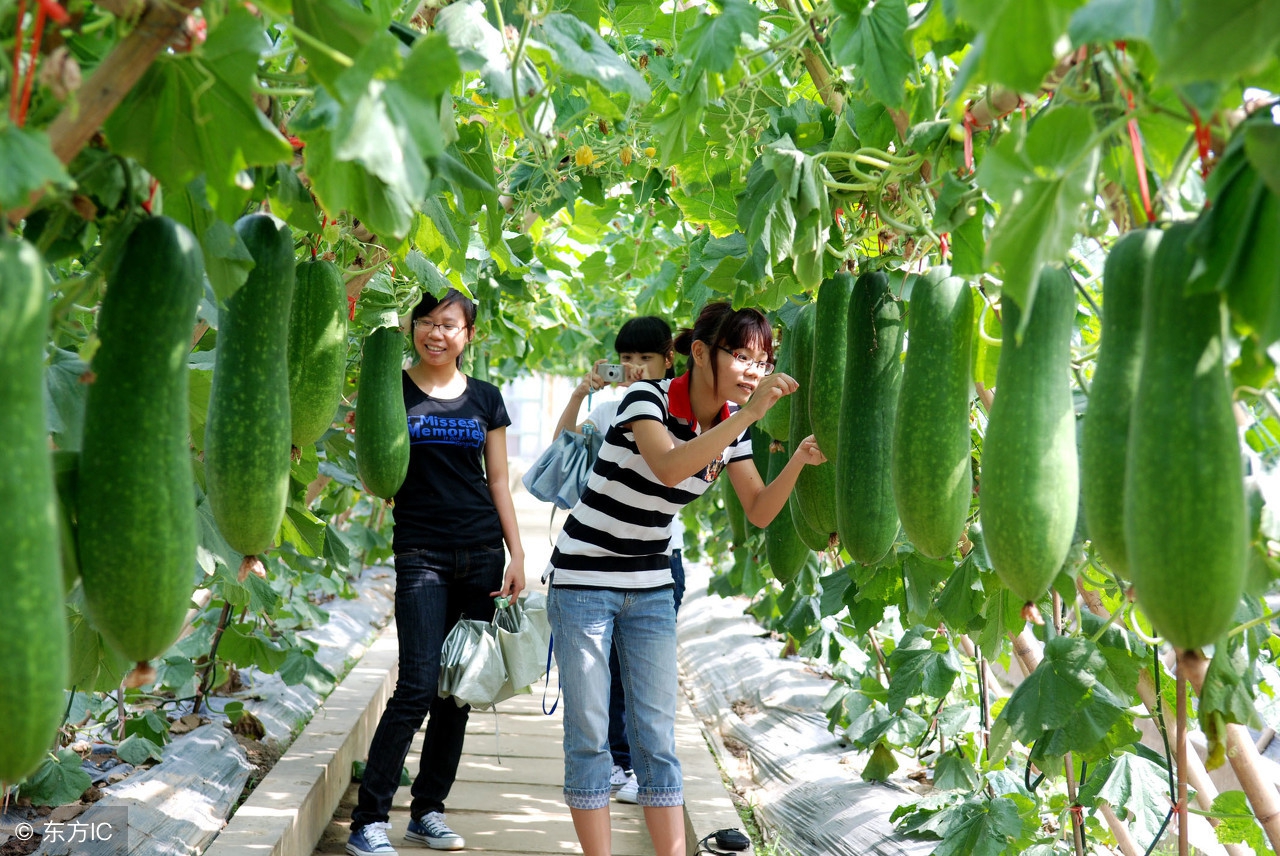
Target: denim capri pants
[(586, 622)]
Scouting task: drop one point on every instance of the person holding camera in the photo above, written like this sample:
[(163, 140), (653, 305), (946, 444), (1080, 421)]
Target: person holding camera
[(453, 514), (646, 351), (610, 574)]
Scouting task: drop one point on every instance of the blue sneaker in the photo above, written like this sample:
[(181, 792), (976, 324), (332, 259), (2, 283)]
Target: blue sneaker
[(432, 831), (371, 840)]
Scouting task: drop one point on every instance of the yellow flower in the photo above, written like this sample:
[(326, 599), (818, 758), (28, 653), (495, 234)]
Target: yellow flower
[(584, 156), (650, 152), (625, 156)]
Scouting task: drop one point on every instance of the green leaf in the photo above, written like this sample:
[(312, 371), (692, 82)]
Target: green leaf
[(226, 257), (1236, 823), (1219, 39), (1042, 178), (954, 772), (94, 665), (961, 599), (1063, 693), (27, 164), (1016, 44), (1262, 147), (877, 45), (680, 122), (304, 530), (880, 765), (245, 645), (291, 201), (975, 827), (58, 781), (1137, 788), (583, 53), (923, 663), (479, 47), (1103, 21), (203, 105), (300, 667), (64, 394), (921, 576), (344, 28), (137, 749), (712, 43)]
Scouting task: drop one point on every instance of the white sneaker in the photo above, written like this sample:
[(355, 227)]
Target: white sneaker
[(617, 778), (630, 792)]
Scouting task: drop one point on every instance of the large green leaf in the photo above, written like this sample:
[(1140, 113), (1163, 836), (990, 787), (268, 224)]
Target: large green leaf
[(583, 53), (57, 781), (227, 259), (480, 48), (1042, 177), (1017, 38), (1137, 788), (712, 43), (1103, 21), (924, 663), (876, 43), (1219, 39), (1063, 694), (976, 826), (1236, 823), (339, 33), (27, 164), (194, 114)]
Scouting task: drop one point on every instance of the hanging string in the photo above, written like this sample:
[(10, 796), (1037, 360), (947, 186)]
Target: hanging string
[(18, 103), (1135, 143)]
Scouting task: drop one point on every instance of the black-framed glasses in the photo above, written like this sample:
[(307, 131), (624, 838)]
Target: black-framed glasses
[(427, 324), (744, 362)]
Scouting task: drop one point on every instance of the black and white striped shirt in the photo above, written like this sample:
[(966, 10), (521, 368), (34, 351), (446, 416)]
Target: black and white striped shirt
[(618, 535)]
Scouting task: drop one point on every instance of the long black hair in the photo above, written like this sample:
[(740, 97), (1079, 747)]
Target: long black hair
[(719, 325)]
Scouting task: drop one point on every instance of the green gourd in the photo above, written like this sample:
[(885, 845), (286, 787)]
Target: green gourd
[(826, 373), (737, 515), (813, 499), (382, 423), (1104, 442), (317, 349), (777, 421), (783, 546), (33, 632), (136, 503), (932, 473), (247, 435), (865, 511), (1185, 517), (1029, 480)]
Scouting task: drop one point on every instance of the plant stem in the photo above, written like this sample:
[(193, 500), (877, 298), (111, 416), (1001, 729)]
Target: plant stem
[(211, 666), (1249, 625)]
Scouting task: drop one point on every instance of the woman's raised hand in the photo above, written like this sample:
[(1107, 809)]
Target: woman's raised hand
[(769, 391), (808, 452), (593, 380)]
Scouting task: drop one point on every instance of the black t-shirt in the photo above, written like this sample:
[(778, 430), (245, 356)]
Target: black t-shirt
[(444, 503)]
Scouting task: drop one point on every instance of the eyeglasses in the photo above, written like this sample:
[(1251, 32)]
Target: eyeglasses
[(427, 324), (744, 362)]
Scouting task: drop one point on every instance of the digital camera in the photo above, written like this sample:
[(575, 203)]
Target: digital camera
[(613, 373)]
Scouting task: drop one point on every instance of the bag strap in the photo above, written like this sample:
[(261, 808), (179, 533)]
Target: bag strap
[(551, 643)]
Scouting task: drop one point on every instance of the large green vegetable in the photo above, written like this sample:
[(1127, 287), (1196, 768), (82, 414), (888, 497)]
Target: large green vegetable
[(317, 349), (783, 547), (382, 423), (136, 504), (813, 499), (1185, 519), (865, 513), (33, 632), (247, 435), (932, 474), (777, 421), (1029, 489), (826, 374), (1104, 442)]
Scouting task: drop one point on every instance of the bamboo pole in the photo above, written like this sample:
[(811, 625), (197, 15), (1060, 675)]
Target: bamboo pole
[(1244, 758), (76, 124), (1180, 736)]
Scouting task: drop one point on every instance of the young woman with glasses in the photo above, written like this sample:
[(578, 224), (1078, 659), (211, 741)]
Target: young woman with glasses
[(452, 517), (611, 582)]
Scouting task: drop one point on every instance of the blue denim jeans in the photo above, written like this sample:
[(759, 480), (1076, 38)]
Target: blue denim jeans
[(642, 624), (434, 588), (619, 745)]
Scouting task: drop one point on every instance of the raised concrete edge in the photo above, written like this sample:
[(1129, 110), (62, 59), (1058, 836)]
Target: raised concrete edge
[(290, 808), (707, 804)]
